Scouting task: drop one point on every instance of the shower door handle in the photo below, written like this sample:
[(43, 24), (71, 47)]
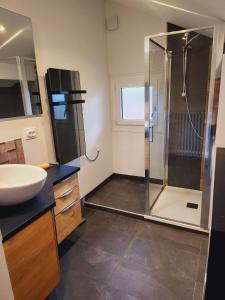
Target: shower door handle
[(151, 134)]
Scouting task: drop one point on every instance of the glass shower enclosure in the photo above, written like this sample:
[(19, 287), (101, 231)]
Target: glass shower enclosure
[(182, 68)]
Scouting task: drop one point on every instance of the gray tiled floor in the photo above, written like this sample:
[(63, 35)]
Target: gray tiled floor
[(121, 193), (121, 258)]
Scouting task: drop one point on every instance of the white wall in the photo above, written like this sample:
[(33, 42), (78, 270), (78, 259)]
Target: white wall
[(69, 34), (126, 59)]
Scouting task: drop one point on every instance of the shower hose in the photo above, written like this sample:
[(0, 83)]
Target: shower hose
[(184, 92)]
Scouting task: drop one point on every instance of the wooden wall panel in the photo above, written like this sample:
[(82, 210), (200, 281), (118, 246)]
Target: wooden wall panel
[(11, 152)]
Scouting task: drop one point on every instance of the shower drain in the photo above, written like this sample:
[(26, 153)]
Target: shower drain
[(192, 205)]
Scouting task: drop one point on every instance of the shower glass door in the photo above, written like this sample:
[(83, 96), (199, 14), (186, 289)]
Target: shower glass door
[(155, 125), (181, 102)]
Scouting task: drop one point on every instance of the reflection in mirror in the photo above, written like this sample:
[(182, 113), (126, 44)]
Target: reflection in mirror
[(19, 89)]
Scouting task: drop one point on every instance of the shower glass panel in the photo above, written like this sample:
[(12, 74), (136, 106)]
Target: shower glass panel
[(156, 107), (178, 74)]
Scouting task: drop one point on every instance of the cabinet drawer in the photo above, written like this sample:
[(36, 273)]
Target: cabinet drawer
[(63, 186), (65, 193), (32, 259), (67, 198), (67, 220)]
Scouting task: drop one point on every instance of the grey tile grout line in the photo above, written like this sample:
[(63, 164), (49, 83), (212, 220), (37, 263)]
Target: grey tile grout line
[(193, 297), (196, 281), (123, 256), (194, 291), (103, 294)]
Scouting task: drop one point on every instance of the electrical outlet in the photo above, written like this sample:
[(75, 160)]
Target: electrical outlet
[(30, 133)]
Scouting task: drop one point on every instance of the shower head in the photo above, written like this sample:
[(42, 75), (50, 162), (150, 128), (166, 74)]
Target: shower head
[(185, 36), (191, 40)]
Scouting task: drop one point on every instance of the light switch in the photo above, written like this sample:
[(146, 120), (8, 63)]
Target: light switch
[(30, 133)]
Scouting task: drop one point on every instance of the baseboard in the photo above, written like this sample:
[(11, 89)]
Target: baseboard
[(132, 177), (156, 181), (138, 178)]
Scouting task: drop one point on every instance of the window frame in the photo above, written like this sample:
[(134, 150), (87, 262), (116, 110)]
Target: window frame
[(126, 82), (122, 104)]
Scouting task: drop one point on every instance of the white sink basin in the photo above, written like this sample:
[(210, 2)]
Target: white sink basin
[(20, 183)]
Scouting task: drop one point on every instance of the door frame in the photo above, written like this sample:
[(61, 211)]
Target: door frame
[(149, 203)]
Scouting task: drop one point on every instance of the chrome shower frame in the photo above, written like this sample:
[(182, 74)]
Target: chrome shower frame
[(209, 135)]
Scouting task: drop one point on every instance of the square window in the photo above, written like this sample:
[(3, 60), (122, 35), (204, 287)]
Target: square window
[(133, 103)]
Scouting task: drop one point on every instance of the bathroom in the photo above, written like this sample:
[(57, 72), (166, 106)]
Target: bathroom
[(130, 239)]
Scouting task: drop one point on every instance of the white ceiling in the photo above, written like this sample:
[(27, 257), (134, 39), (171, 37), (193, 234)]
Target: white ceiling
[(185, 13)]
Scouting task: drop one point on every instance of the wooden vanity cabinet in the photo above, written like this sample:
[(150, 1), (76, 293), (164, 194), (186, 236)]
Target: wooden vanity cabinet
[(68, 208), (32, 259)]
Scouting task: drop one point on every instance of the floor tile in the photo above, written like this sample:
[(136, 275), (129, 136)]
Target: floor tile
[(122, 193), (108, 232), (92, 262), (202, 268), (142, 285), (199, 291), (175, 269), (186, 239), (205, 245), (114, 257), (76, 286)]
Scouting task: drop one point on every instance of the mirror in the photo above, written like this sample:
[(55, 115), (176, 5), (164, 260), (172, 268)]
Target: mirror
[(19, 89)]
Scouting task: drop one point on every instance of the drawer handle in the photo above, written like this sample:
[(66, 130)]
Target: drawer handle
[(67, 193), (68, 208)]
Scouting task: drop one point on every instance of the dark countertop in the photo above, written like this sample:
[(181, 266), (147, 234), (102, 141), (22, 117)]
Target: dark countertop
[(15, 218)]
